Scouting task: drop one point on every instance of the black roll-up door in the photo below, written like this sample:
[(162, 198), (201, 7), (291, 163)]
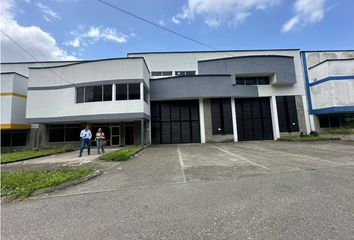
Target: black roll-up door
[(253, 118), (175, 122)]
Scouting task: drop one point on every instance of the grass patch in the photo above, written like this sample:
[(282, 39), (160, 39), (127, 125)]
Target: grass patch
[(338, 131), (28, 154), (307, 138), (122, 154), (22, 184)]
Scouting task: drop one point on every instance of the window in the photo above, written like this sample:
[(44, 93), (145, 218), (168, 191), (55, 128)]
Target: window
[(134, 91), (107, 92), (264, 80), (184, 73), (64, 133), (94, 93), (12, 139), (159, 74), (146, 95), (121, 92), (329, 121), (80, 94), (221, 116), (127, 91)]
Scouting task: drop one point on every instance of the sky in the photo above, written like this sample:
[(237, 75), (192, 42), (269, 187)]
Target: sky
[(88, 29)]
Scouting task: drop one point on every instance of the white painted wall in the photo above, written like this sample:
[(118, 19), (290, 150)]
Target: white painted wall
[(333, 94), (13, 108), (62, 102), (331, 68)]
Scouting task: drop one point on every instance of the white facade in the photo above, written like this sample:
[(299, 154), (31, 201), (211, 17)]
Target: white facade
[(13, 101), (57, 85)]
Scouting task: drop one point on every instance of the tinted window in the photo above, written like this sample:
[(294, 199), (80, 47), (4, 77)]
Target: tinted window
[(166, 73), (107, 92), (72, 134), (251, 81), (93, 94), (121, 92), (240, 81), (263, 80), (19, 138), (155, 74), (56, 135), (134, 91), (5, 139), (80, 95)]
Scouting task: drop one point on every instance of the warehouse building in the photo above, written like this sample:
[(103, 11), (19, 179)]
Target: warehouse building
[(166, 97)]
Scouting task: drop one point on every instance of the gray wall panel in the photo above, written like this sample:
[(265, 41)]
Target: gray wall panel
[(198, 87)]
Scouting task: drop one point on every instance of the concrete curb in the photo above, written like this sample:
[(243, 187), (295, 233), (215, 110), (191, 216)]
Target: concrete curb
[(11, 198)]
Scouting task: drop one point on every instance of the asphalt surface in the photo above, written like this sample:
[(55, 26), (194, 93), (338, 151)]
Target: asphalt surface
[(249, 190)]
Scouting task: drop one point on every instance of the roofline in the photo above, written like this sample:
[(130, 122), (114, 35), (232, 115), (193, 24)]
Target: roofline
[(198, 75), (327, 60), (70, 61), (248, 56), (14, 73), (90, 61), (216, 51), (338, 50)]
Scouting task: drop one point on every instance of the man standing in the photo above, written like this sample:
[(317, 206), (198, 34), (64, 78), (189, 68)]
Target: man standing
[(85, 136)]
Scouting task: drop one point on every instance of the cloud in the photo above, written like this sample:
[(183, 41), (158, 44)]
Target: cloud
[(161, 22), (48, 13), (216, 12), (85, 36), (306, 12), (36, 41)]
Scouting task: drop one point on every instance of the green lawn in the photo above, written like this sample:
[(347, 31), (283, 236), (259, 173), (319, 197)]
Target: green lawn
[(338, 131), (22, 184), (122, 154), (28, 154), (307, 138)]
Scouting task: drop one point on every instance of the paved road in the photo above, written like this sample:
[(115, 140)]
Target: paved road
[(250, 190)]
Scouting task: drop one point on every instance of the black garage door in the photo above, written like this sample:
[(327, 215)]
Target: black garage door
[(254, 120), (175, 122)]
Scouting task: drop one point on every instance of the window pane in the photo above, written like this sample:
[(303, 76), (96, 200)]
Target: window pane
[(155, 74), (251, 81), (5, 139), (134, 91), (56, 135), (107, 92), (72, 134), (240, 81), (19, 138), (80, 95), (179, 73), (166, 73), (190, 73), (146, 93), (93, 94), (263, 80), (121, 92)]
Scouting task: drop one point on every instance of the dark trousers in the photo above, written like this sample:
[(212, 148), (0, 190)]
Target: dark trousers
[(82, 146)]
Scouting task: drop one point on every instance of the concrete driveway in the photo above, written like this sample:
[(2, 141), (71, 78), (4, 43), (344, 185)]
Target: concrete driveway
[(248, 190)]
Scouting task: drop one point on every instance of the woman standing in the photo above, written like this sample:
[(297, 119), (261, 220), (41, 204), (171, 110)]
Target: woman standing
[(99, 140)]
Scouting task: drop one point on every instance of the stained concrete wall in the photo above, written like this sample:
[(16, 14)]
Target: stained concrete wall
[(209, 137)]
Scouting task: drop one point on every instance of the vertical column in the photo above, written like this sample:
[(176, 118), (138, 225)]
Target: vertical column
[(141, 91), (201, 120), (234, 120), (114, 89), (142, 132), (275, 121), (307, 116)]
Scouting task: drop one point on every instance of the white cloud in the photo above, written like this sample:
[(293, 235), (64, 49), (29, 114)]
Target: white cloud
[(85, 36), (36, 41), (48, 13), (306, 12), (216, 12)]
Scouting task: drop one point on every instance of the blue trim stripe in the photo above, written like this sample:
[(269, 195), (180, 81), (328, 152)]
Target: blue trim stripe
[(333, 110), (349, 77)]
